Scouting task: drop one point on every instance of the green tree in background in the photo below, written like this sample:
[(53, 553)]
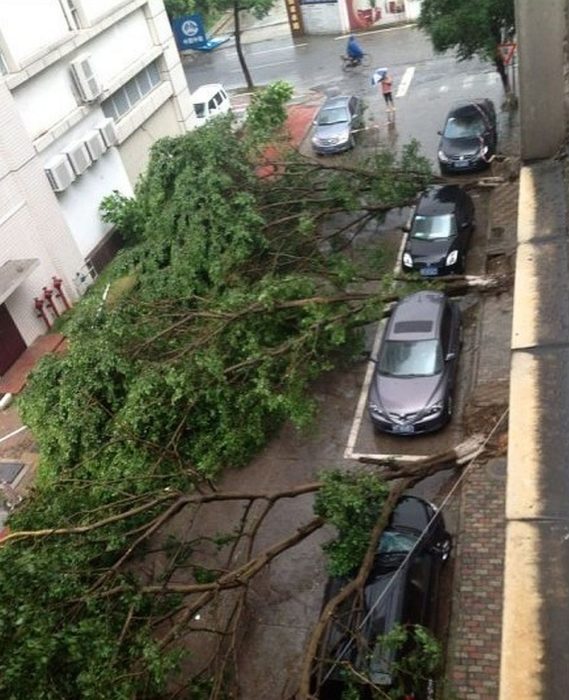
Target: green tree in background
[(471, 27), (214, 8)]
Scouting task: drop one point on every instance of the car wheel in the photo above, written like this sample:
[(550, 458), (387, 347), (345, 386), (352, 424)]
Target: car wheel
[(352, 142), (461, 267), (444, 170)]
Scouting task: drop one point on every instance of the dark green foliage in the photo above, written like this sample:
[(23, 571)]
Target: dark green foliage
[(469, 27), (223, 309), (352, 502)]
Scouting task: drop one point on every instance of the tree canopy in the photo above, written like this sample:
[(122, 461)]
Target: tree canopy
[(233, 294), (470, 28)]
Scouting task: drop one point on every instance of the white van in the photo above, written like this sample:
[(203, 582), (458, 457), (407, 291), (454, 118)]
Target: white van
[(210, 101)]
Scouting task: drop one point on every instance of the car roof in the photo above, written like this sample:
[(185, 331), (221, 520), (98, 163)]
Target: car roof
[(206, 92), (337, 101), (470, 109), (416, 317), (438, 199)]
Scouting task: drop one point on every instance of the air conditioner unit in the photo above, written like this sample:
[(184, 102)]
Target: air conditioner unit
[(95, 144), (78, 157), (108, 132), (59, 173), (84, 78)]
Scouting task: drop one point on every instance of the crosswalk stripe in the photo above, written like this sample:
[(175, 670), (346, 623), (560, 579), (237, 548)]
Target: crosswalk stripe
[(405, 81)]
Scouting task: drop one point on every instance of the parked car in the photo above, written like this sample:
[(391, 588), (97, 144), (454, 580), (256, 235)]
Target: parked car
[(440, 232), (411, 388), (407, 597), (336, 123), (469, 137), (210, 101)]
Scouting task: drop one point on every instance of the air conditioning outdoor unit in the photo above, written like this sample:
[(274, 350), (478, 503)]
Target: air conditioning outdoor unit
[(108, 132), (95, 144), (78, 157), (85, 78), (59, 173)]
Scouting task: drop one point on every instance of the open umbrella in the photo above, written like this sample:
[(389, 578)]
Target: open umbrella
[(378, 75)]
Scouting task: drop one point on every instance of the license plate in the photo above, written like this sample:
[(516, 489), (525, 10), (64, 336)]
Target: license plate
[(461, 164), (404, 428), (429, 271)]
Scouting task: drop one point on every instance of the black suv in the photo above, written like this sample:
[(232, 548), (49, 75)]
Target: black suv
[(469, 137), (401, 589), (439, 233)]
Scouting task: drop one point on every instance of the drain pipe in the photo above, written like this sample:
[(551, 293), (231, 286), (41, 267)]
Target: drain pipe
[(59, 293), (40, 311), (47, 295)]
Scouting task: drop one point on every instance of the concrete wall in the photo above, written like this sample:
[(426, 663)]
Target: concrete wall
[(135, 151), (29, 25), (541, 32), (321, 18)]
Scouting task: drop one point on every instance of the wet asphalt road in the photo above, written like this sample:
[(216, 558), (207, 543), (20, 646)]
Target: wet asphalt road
[(313, 65)]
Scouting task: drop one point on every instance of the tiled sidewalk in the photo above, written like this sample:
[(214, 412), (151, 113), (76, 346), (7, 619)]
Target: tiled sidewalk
[(474, 649)]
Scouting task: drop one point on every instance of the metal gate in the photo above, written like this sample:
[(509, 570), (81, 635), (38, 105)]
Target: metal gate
[(12, 344)]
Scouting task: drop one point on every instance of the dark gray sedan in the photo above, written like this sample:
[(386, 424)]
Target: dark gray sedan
[(336, 123), (411, 390)]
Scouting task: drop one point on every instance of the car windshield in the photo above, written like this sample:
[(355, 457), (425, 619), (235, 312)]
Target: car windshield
[(394, 542), (334, 115), (433, 228), (199, 109), (464, 127), (410, 358)]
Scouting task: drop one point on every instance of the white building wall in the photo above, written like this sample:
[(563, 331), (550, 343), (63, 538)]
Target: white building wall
[(135, 151), (30, 25), (321, 18), (95, 9), (41, 115)]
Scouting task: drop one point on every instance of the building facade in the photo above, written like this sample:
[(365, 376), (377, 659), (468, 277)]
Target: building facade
[(86, 87), (341, 16)]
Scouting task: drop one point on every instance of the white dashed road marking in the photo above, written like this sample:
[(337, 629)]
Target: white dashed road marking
[(405, 81)]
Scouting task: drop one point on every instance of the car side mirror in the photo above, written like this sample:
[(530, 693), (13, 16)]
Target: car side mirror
[(450, 356), (315, 123), (465, 224), (440, 133), (406, 228)]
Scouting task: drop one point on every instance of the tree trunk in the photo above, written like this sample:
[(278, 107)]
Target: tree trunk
[(502, 71), (238, 47)]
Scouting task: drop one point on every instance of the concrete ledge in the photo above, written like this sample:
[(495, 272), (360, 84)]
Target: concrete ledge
[(535, 638)]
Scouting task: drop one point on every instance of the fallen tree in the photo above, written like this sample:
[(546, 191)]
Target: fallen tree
[(233, 295)]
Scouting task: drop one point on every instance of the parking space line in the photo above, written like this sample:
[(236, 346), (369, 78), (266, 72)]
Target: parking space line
[(405, 81), (15, 432), (282, 48), (265, 65), (360, 407)]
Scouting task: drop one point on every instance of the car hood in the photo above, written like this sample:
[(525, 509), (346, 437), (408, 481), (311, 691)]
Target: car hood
[(460, 147), (429, 251), (329, 131), (403, 397)]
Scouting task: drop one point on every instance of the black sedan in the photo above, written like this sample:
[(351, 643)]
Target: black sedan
[(469, 137), (402, 589), (411, 389), (440, 232)]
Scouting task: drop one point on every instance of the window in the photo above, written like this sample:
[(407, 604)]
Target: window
[(71, 14), (124, 99), (402, 358), (433, 228)]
